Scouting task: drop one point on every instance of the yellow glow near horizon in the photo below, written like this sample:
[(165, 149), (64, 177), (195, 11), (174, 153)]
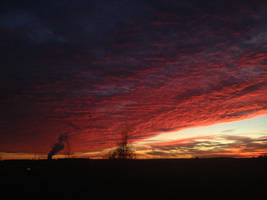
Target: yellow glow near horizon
[(253, 128), (217, 139)]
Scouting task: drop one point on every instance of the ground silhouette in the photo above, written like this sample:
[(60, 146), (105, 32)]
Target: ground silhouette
[(126, 179)]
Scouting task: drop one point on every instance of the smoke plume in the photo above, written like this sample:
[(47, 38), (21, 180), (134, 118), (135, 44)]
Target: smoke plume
[(58, 146)]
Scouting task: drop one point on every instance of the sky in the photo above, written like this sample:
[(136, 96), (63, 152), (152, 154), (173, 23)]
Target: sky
[(182, 78)]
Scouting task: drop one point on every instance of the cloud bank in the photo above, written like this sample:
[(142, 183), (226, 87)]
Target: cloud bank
[(154, 68)]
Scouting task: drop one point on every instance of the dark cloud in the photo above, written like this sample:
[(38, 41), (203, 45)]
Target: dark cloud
[(228, 131), (236, 146), (155, 66)]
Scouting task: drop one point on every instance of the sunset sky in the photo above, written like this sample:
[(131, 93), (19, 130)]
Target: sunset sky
[(184, 79)]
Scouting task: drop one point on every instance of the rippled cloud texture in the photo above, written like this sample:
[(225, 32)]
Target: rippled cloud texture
[(94, 69), (244, 138)]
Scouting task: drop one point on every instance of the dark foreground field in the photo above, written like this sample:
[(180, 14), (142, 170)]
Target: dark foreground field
[(135, 179)]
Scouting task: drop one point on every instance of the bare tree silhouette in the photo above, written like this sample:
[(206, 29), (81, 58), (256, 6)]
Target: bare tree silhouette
[(124, 150), (68, 148)]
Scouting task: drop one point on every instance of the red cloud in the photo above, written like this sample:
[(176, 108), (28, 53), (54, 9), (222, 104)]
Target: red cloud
[(151, 78)]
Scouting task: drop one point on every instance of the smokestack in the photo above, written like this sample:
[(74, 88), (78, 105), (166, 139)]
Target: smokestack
[(58, 146)]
